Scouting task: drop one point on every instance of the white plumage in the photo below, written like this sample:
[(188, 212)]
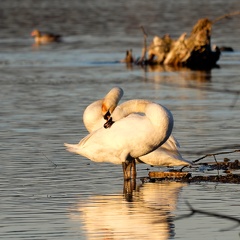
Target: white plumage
[(141, 130)]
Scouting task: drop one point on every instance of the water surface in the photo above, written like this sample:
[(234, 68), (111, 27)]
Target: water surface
[(48, 193)]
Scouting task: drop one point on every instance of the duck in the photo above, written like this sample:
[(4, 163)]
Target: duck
[(129, 57), (127, 138), (43, 38)]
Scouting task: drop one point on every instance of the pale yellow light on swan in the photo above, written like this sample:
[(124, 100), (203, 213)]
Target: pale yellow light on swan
[(129, 137), (165, 155)]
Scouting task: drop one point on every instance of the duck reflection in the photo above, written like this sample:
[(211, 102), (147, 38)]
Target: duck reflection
[(148, 216)]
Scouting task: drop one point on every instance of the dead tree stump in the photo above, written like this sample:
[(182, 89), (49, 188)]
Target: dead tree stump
[(194, 51)]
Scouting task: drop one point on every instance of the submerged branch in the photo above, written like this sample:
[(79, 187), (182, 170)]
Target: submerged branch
[(54, 164), (211, 214)]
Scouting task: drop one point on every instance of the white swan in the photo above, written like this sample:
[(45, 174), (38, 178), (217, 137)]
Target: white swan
[(93, 117), (128, 138)]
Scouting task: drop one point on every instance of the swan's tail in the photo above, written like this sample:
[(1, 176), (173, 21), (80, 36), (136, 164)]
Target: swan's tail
[(71, 147)]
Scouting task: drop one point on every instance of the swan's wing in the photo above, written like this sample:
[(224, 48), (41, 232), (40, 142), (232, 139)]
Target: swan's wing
[(171, 143), (166, 155), (85, 139), (77, 148)]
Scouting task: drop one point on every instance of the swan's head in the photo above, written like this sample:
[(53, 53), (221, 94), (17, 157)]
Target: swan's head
[(106, 113), (107, 116), (116, 115), (110, 102)]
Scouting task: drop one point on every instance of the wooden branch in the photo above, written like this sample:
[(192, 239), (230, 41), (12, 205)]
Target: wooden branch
[(214, 154), (143, 57), (231, 147), (170, 175), (228, 15)]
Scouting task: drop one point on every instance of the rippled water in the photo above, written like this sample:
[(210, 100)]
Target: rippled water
[(48, 193)]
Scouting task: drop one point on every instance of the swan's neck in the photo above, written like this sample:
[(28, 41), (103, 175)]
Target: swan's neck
[(128, 107), (111, 100), (94, 113)]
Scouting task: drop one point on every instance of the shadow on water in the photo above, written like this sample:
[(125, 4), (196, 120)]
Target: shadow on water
[(162, 73), (185, 73), (149, 214)]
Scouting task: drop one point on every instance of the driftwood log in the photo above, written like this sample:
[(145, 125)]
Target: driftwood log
[(194, 51), (228, 168)]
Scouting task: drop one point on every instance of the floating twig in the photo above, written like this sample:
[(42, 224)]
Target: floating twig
[(54, 164), (214, 154)]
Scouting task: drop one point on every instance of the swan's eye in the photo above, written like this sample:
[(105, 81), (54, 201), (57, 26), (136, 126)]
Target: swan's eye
[(107, 115)]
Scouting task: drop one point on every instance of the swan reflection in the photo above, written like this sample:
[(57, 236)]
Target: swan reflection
[(148, 216)]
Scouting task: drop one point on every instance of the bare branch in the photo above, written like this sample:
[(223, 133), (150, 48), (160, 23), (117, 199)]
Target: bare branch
[(228, 15), (214, 154), (143, 57)]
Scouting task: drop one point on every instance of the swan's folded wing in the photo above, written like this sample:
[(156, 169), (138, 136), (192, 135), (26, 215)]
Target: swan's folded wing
[(171, 143), (75, 148)]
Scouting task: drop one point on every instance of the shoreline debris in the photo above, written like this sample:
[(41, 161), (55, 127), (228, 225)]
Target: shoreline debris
[(193, 51)]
